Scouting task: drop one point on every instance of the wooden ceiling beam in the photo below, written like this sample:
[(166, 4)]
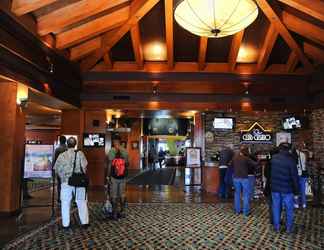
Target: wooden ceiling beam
[(108, 62), (92, 28), (73, 13), (169, 31), (283, 31), (314, 8), (202, 52), (85, 48), (139, 8), (160, 67), (314, 52), (292, 62), (235, 48), (303, 28), (21, 7), (267, 47), (137, 45)]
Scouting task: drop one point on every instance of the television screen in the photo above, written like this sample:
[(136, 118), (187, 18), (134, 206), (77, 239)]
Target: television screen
[(223, 123), (291, 122), (94, 140)]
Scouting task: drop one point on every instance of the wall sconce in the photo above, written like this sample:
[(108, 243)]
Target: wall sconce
[(22, 94)]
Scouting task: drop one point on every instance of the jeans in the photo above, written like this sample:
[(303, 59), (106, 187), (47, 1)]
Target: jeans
[(280, 200), (302, 189), (222, 191), (252, 185), (242, 184), (67, 192)]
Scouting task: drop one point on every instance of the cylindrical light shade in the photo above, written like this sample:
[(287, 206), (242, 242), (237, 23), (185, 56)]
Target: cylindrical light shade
[(215, 18)]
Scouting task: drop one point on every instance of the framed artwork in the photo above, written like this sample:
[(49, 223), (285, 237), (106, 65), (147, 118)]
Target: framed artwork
[(193, 157), (135, 145), (123, 144)]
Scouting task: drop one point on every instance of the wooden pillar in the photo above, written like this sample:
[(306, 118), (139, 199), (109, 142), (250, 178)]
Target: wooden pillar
[(199, 133), (73, 124), (12, 139)]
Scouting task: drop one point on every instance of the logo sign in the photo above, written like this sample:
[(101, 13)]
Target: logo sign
[(256, 134)]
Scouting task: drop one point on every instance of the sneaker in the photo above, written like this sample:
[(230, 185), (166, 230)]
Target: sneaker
[(304, 206), (66, 229), (296, 206)]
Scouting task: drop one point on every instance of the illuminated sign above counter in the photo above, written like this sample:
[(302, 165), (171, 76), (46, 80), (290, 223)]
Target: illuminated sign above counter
[(256, 134)]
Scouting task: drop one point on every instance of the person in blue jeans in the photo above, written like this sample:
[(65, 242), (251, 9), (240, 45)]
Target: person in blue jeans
[(302, 175), (284, 185), (241, 164)]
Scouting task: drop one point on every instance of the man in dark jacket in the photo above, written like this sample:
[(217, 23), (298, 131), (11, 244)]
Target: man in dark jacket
[(225, 158), (284, 184), (241, 164), (60, 149)]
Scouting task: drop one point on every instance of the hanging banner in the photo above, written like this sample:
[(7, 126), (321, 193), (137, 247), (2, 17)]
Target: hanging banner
[(256, 134), (38, 161)]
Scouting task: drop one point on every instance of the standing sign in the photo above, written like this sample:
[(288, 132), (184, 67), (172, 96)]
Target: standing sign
[(256, 134), (193, 170), (283, 137), (38, 161), (193, 157)]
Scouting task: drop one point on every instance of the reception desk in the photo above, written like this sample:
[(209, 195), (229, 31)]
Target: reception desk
[(210, 177)]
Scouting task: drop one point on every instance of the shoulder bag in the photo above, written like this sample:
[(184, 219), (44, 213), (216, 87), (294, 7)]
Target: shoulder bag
[(78, 179)]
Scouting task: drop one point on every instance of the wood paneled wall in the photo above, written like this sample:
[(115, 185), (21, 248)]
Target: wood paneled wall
[(12, 127), (45, 136)]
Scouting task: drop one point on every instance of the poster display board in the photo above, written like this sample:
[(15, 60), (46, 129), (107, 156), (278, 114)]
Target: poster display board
[(193, 157), (283, 137), (38, 161)]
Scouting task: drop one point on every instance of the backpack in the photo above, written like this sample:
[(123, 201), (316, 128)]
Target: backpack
[(118, 166)]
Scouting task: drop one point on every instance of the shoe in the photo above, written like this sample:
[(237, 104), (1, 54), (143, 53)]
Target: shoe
[(85, 226), (296, 206), (66, 229), (121, 215), (304, 206)]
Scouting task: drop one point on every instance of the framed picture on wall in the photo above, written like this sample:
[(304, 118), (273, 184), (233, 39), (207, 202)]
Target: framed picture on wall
[(123, 144), (193, 157), (135, 145)]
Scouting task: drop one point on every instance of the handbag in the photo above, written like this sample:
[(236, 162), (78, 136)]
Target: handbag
[(308, 187), (78, 179)]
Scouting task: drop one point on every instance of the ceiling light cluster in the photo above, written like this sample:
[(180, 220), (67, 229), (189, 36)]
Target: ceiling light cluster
[(215, 18)]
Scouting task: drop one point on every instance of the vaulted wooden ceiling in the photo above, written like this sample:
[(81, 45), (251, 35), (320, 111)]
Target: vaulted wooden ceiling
[(101, 35)]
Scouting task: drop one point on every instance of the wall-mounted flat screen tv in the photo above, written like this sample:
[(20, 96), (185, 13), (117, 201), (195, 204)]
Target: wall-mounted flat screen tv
[(93, 140), (223, 123), (293, 122)]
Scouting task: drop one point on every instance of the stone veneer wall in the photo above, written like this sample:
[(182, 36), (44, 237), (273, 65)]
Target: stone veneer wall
[(269, 120), (317, 125)]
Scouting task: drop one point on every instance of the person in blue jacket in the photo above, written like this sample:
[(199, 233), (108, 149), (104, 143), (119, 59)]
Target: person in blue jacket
[(284, 185)]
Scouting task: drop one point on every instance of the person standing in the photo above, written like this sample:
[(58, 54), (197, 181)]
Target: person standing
[(152, 157), (117, 172), (161, 156), (225, 158), (60, 149), (68, 162), (284, 184), (241, 164), (302, 175)]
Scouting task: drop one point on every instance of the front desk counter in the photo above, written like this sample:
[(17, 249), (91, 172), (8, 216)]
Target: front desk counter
[(210, 177)]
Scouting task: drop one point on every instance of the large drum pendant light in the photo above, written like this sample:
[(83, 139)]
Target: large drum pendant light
[(215, 18)]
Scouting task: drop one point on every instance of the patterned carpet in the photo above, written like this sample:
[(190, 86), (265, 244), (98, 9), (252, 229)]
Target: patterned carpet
[(179, 226)]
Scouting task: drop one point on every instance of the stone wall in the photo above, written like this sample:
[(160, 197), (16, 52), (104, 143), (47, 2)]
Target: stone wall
[(243, 120)]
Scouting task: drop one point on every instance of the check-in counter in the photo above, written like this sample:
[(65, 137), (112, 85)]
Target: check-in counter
[(210, 173)]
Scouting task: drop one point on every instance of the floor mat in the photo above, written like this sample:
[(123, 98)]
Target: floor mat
[(163, 176), (179, 226)]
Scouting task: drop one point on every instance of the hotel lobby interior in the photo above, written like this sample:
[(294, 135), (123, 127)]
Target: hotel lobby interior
[(177, 81)]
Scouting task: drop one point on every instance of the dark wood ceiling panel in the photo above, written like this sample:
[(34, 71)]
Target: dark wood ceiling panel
[(52, 7), (218, 49), (152, 27), (254, 37), (123, 50), (280, 52)]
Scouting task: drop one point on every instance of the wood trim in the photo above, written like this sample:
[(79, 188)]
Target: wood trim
[(202, 52), (108, 62), (281, 28), (21, 7), (139, 8), (267, 47), (314, 8), (303, 28), (73, 13), (85, 48), (314, 52), (169, 31), (292, 62), (92, 28), (235, 48), (137, 45)]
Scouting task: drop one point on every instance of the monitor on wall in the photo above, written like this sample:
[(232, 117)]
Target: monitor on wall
[(93, 140), (292, 122), (223, 123)]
